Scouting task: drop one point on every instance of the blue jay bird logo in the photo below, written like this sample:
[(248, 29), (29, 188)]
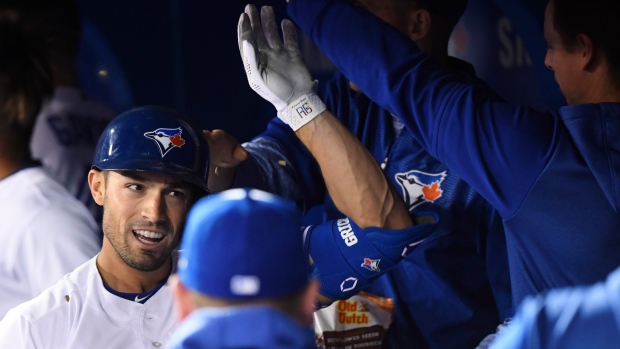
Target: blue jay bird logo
[(166, 139), (420, 187), (371, 264)]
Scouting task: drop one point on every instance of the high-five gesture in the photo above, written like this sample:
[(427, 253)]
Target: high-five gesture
[(275, 69)]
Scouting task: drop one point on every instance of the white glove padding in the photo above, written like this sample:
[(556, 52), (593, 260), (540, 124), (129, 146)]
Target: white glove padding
[(277, 71)]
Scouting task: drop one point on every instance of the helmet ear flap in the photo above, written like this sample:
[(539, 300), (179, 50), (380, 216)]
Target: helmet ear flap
[(154, 139)]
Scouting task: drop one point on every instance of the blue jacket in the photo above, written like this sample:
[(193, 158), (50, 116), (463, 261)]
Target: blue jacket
[(241, 327), (573, 318), (552, 176), (446, 290)]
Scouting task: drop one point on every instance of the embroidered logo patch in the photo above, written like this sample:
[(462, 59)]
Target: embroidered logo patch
[(371, 264), (420, 187)]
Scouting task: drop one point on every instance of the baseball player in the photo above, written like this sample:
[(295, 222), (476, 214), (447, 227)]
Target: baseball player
[(149, 167), (462, 269), (250, 300), (380, 225), (551, 175), (45, 232), (70, 122)]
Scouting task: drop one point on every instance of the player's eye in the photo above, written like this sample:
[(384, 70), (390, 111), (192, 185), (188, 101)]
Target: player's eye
[(133, 186), (177, 193)]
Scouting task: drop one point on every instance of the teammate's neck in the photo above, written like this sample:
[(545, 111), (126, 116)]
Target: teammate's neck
[(123, 278)]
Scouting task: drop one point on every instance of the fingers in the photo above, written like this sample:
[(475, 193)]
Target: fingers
[(257, 27), (244, 32), (270, 28), (225, 150), (291, 44), (240, 154)]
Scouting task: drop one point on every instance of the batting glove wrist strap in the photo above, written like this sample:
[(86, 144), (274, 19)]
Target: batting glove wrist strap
[(302, 111), (347, 258)]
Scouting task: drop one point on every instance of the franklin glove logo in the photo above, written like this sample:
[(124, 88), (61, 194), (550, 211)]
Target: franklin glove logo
[(166, 139)]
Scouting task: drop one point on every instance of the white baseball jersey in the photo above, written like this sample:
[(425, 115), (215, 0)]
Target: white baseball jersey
[(45, 233), (65, 137), (79, 313)]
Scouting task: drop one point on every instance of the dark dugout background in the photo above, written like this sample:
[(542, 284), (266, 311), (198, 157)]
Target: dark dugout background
[(183, 54)]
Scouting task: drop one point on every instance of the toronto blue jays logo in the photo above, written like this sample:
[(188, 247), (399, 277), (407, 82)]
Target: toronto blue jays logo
[(166, 139), (419, 187), (371, 264)]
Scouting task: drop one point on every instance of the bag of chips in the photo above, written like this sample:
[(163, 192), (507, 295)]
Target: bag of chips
[(358, 322)]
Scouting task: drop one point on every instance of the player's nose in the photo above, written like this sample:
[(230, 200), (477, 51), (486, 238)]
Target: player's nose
[(153, 207)]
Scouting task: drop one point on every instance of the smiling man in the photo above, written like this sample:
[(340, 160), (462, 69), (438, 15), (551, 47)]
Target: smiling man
[(150, 166)]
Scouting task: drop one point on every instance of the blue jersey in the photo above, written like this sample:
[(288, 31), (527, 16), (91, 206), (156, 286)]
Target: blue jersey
[(241, 327), (552, 176), (573, 318), (445, 291)]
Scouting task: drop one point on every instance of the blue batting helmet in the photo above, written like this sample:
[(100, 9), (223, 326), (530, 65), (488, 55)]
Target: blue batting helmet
[(154, 139)]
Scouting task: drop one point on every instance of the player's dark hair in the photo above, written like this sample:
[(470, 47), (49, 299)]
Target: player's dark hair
[(597, 19), (441, 27), (24, 82), (56, 26), (56, 23)]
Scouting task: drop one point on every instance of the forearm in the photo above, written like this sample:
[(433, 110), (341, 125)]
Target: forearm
[(353, 178)]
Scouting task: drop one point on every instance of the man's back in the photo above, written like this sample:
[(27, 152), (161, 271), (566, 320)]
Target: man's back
[(45, 234), (64, 139), (241, 327), (78, 312)]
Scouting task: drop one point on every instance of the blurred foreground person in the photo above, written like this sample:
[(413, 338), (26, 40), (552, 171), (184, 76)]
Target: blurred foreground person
[(243, 275)]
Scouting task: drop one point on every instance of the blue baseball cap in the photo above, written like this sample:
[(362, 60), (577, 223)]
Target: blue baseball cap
[(450, 10), (243, 244)]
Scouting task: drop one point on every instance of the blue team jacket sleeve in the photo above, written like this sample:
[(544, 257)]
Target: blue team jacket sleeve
[(279, 163), (484, 140), (580, 317)]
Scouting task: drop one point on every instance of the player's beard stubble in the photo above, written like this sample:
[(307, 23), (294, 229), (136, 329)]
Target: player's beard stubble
[(139, 259)]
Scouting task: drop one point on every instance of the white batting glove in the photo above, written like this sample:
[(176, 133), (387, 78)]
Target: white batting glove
[(276, 71)]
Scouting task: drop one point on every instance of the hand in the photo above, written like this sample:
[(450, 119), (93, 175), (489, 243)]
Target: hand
[(276, 70), (225, 154), (346, 258)]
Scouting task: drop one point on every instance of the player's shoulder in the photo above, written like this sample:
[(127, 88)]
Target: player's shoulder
[(60, 300), (45, 321), (33, 186), (45, 197)]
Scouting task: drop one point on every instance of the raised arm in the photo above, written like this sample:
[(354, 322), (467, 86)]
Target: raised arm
[(470, 131), (276, 71)]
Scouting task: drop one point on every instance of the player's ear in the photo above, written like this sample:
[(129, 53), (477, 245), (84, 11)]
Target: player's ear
[(419, 24), (308, 299), (182, 297), (96, 182), (585, 47)]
